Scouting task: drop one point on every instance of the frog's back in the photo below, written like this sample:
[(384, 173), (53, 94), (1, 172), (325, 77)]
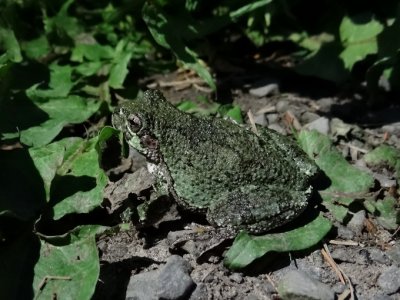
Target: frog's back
[(210, 156)]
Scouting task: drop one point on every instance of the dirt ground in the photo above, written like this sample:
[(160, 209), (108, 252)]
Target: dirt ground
[(366, 255)]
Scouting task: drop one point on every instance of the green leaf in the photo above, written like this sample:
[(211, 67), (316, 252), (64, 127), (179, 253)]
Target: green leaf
[(90, 68), (47, 160), (247, 248), (69, 271), (313, 42), (74, 181), (37, 48), (208, 108), (63, 25), (384, 155), (346, 181), (62, 111), (9, 43), (92, 52), (385, 210), (232, 111), (359, 36), (119, 70), (59, 86), (187, 106)]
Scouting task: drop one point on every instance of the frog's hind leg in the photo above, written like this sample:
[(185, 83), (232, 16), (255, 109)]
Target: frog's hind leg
[(257, 209)]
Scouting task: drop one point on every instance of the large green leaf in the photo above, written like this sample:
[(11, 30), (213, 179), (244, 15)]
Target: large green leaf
[(37, 48), (74, 182), (119, 70), (347, 183), (39, 116), (67, 271), (66, 266), (247, 248), (10, 45), (61, 112), (359, 37)]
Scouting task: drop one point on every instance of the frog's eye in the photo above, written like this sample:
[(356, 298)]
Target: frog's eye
[(134, 123)]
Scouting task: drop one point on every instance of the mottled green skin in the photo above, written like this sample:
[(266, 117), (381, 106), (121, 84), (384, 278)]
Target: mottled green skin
[(239, 179)]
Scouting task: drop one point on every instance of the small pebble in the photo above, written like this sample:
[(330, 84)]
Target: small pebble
[(277, 128), (378, 256), (260, 119), (236, 277), (321, 125), (394, 254), (298, 285), (345, 233), (171, 281), (282, 106), (269, 89), (357, 222), (272, 118)]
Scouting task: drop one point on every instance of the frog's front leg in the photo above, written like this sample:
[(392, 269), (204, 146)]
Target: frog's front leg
[(257, 209)]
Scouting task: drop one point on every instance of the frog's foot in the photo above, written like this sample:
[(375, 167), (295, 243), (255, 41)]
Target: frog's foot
[(259, 209)]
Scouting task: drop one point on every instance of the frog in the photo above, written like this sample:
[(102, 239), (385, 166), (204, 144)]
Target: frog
[(237, 177)]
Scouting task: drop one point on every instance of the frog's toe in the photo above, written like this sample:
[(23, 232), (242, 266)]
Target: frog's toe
[(259, 209)]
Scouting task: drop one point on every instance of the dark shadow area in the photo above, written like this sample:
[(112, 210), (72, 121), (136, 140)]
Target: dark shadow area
[(100, 216), (17, 112), (22, 188), (19, 252), (65, 186), (114, 277), (22, 198)]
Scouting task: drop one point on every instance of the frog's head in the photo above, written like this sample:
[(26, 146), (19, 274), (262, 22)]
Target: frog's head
[(140, 120)]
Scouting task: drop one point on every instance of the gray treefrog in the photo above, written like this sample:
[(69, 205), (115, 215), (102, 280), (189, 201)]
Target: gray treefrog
[(239, 179)]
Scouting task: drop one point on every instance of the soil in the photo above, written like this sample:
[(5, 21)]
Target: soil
[(362, 249)]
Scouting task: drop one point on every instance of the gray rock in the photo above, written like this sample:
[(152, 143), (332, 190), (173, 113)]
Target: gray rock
[(172, 281), (199, 293), (384, 180), (277, 128), (260, 119), (325, 104), (345, 233), (265, 88), (381, 297), (378, 255), (321, 124), (357, 222), (394, 254), (341, 254), (338, 288), (236, 277), (393, 128), (389, 280), (272, 118), (308, 117), (282, 106), (298, 285)]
